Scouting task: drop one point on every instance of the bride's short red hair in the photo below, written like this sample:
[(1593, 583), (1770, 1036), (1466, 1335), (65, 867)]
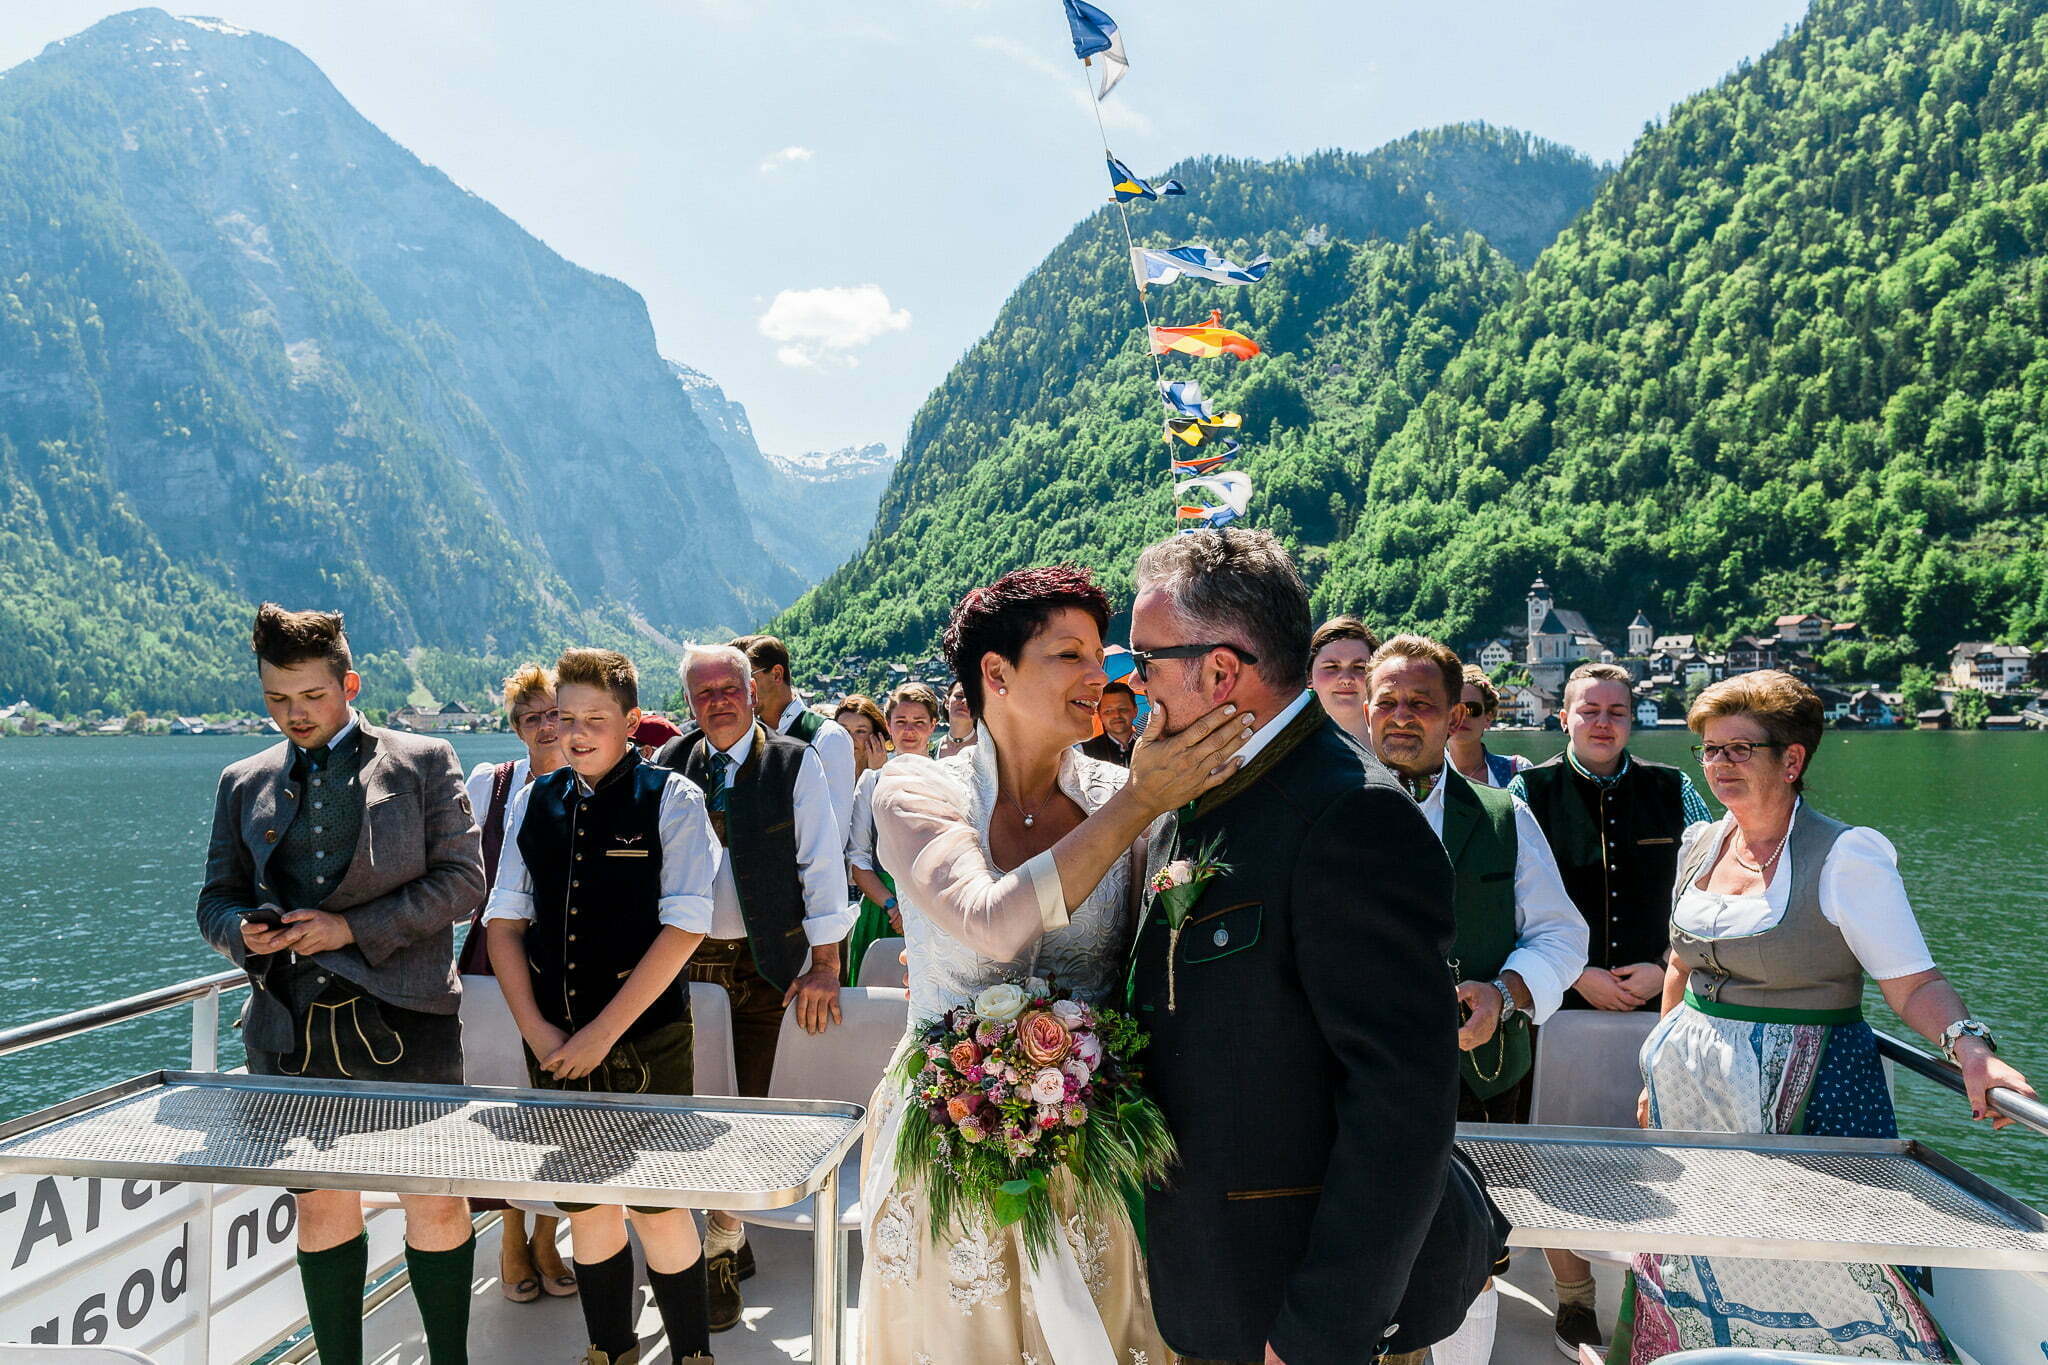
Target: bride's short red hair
[(1004, 616)]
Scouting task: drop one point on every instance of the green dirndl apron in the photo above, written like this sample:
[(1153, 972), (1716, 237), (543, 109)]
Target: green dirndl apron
[(873, 923)]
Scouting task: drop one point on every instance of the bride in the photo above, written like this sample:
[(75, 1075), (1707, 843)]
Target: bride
[(1019, 857)]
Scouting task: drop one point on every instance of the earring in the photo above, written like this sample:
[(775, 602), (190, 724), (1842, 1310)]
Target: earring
[(1002, 691)]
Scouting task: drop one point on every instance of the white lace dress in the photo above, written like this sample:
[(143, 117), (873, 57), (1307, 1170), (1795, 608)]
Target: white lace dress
[(976, 1300)]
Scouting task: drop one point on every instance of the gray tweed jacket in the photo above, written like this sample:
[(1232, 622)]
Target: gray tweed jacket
[(417, 871)]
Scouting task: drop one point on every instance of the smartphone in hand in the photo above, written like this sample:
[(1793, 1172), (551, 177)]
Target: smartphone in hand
[(263, 916)]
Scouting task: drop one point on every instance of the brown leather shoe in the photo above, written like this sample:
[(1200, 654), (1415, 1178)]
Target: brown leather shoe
[(722, 1291)]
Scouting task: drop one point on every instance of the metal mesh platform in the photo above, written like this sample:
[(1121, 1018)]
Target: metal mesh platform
[(1785, 1198), (424, 1139)]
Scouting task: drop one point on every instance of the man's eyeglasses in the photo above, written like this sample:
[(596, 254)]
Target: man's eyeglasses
[(1143, 659), (1736, 751)]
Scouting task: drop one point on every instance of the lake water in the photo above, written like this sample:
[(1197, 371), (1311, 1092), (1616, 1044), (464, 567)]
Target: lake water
[(102, 843)]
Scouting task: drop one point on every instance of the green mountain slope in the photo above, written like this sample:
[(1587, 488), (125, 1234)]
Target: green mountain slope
[(1795, 357), (250, 347), (1043, 442)]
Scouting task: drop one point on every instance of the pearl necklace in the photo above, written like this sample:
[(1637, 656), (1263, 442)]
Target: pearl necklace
[(1030, 817), (1763, 869)]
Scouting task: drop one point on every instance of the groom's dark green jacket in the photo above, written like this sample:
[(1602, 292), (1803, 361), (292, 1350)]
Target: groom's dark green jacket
[(1309, 1067)]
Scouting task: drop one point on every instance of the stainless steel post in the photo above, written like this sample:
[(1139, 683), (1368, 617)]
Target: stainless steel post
[(828, 1273), (199, 1229)]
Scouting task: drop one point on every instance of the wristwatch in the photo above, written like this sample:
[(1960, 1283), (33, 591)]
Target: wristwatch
[(1953, 1034), (889, 904), (1508, 1008)]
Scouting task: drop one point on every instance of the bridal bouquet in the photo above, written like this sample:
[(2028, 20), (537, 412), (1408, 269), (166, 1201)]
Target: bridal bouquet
[(1021, 1084)]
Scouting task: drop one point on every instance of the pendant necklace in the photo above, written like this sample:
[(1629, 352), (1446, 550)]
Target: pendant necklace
[(1030, 817), (1763, 869)]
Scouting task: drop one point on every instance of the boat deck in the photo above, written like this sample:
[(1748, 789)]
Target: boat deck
[(777, 1323)]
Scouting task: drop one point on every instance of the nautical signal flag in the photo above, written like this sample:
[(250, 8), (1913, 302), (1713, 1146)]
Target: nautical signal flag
[(1214, 500), (1195, 430), (1204, 341), (1127, 186), (1095, 32), (1184, 396), (1194, 466), (1155, 266)]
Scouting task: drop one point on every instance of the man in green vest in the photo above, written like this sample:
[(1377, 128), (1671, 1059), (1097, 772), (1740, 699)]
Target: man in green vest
[(1519, 941)]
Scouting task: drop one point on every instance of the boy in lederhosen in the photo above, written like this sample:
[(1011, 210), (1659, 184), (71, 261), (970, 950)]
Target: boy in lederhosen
[(603, 892), (339, 864)]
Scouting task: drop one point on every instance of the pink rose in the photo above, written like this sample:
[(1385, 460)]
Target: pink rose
[(1048, 1087), (1069, 1011), (1043, 1039), (1048, 1116), (1088, 1048), (964, 1054)]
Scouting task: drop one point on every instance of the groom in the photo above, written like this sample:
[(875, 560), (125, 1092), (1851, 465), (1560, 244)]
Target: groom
[(1305, 1049)]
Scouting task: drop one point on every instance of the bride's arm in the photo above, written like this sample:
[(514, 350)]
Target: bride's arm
[(925, 834)]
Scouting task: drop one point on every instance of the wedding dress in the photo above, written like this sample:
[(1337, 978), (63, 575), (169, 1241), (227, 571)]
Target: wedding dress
[(975, 1298)]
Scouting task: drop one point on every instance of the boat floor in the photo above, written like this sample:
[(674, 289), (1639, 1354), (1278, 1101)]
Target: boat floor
[(776, 1326)]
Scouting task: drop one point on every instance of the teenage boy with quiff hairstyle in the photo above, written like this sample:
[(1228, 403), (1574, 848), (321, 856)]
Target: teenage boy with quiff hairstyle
[(603, 892), (340, 862)]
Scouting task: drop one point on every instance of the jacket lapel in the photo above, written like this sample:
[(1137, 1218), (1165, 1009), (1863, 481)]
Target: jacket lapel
[(272, 804), (1461, 812), (1300, 728), (371, 775)]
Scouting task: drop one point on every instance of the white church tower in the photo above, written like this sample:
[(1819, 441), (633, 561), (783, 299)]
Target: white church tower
[(1640, 636)]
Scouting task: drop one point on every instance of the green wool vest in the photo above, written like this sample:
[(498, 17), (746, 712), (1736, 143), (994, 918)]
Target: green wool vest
[(1479, 836)]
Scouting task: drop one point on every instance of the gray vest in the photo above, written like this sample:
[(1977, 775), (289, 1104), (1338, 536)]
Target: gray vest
[(1800, 963)]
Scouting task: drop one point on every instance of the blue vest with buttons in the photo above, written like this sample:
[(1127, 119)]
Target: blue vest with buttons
[(595, 860)]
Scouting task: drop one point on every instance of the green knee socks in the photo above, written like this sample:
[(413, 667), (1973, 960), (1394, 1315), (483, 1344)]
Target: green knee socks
[(333, 1283), (441, 1282)]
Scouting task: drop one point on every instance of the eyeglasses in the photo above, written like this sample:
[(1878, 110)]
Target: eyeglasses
[(532, 718), (1736, 751), (1143, 659)]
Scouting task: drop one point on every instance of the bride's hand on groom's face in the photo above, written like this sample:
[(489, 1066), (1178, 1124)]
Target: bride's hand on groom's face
[(1170, 770)]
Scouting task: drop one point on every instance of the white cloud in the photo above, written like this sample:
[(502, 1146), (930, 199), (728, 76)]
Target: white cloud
[(822, 326), (788, 156), (1117, 115)]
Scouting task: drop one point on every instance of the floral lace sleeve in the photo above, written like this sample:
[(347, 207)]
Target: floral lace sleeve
[(926, 836)]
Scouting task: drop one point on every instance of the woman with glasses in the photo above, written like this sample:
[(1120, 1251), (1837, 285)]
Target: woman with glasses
[(1339, 669), (1779, 914), (1467, 749), (525, 1266)]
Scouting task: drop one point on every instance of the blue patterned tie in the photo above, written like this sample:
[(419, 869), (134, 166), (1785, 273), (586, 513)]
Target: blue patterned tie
[(720, 764)]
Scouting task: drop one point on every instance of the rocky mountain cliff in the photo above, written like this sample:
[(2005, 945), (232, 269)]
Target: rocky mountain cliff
[(251, 347), (813, 509)]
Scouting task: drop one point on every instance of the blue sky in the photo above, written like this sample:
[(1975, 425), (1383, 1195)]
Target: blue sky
[(768, 172)]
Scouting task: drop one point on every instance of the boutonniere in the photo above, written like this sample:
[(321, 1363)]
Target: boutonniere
[(1179, 886)]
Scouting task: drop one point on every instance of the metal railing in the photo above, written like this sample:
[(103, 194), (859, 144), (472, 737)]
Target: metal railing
[(198, 991), (2028, 1112)]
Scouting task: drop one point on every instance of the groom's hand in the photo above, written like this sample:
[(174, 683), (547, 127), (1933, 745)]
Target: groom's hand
[(1170, 770)]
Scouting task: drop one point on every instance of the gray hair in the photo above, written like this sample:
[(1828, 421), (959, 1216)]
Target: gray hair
[(695, 654), (1236, 586)]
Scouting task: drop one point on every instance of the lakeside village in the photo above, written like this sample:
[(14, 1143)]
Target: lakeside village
[(1985, 686)]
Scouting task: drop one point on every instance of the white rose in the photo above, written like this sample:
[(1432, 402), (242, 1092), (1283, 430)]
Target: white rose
[(1001, 1002), (1179, 872), (1035, 986), (1066, 1011)]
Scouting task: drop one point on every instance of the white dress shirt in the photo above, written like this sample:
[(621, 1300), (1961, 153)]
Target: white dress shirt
[(1551, 937), (820, 855), (860, 834), (479, 785), (834, 746), (690, 859), (1861, 894), (1263, 736)]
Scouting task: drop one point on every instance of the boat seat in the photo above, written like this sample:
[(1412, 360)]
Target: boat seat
[(1587, 1075), (1586, 1071), (845, 1062), (882, 965)]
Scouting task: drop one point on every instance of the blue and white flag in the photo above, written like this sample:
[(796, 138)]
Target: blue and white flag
[(1096, 32), (1184, 396), (1128, 186), (1152, 265)]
